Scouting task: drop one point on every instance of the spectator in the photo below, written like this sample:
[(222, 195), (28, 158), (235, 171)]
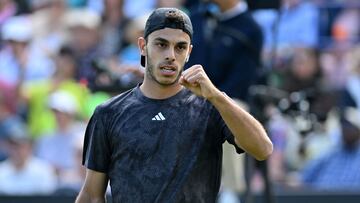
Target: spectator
[(334, 65), (7, 118), (112, 28), (58, 147), (298, 24), (339, 169), (346, 27), (22, 173), (49, 29), (302, 72), (129, 68), (133, 9), (84, 40), (228, 44), (41, 119), (76, 3), (72, 179), (170, 3), (345, 32), (20, 61), (350, 93), (7, 9)]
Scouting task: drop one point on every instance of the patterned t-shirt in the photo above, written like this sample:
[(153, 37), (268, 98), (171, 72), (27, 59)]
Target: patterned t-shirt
[(152, 150)]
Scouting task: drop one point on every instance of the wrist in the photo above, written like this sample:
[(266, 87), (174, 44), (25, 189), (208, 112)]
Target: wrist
[(216, 96)]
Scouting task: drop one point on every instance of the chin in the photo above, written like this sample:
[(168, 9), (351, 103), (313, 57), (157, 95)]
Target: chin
[(167, 82)]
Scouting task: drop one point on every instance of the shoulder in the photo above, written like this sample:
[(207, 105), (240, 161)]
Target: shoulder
[(116, 102), (247, 19)]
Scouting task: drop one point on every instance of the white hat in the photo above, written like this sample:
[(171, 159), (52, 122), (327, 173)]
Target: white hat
[(82, 18), (17, 28), (63, 101)]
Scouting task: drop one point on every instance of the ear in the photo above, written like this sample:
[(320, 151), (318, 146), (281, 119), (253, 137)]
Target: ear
[(188, 56), (142, 46)]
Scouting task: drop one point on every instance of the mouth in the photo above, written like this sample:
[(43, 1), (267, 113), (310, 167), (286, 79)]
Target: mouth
[(168, 70)]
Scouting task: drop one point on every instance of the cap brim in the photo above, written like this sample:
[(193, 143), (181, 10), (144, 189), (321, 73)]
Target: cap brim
[(142, 60)]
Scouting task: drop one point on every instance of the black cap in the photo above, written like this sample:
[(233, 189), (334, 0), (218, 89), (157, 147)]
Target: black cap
[(167, 18)]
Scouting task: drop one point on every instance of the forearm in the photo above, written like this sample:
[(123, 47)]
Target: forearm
[(94, 188), (85, 197), (248, 132)]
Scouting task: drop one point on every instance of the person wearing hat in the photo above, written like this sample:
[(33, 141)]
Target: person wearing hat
[(21, 61), (162, 140), (339, 168), (57, 147), (21, 171)]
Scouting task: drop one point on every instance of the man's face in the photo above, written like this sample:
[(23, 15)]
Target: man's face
[(166, 50)]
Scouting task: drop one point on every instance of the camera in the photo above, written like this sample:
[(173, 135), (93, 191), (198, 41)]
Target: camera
[(295, 105), (109, 81)]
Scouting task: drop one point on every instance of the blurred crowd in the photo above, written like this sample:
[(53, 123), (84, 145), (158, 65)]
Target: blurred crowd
[(59, 59)]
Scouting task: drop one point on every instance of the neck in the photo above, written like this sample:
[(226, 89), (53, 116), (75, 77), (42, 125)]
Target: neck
[(153, 90)]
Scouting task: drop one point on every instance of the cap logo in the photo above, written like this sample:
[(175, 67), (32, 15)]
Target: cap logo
[(172, 14), (174, 19)]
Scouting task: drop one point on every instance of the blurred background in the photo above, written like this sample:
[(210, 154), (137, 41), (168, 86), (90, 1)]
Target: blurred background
[(294, 64)]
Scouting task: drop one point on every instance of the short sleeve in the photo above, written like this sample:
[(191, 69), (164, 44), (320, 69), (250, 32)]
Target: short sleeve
[(225, 133), (96, 152)]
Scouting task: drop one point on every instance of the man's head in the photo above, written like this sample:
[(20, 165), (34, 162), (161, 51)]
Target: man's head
[(18, 33), (166, 44)]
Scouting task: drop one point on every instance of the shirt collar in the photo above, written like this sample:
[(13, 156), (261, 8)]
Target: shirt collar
[(240, 7)]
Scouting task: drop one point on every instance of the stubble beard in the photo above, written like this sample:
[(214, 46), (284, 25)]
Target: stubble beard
[(150, 74)]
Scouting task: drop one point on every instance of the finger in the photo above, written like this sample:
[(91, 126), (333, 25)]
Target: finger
[(184, 83), (182, 80), (191, 69), (195, 78), (191, 74)]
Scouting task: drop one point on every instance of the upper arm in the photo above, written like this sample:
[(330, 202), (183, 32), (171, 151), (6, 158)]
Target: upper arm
[(94, 187), (97, 147), (223, 131)]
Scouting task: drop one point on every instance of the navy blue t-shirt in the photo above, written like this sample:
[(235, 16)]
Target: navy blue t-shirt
[(166, 150)]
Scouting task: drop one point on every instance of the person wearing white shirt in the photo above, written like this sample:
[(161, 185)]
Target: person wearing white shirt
[(22, 173)]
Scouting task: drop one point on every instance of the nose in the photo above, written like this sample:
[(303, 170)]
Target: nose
[(170, 55)]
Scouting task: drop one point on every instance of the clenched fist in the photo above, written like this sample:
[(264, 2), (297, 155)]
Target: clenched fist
[(196, 80)]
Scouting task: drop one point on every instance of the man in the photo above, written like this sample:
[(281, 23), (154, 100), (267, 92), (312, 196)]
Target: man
[(228, 43), (338, 169), (21, 172), (162, 141)]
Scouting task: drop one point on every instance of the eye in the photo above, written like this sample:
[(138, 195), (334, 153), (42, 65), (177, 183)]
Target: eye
[(181, 47), (161, 44)]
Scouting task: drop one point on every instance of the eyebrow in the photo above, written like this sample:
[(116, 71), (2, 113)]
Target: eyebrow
[(167, 41)]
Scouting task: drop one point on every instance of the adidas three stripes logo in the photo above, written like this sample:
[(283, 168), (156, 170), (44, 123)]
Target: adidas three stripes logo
[(158, 117)]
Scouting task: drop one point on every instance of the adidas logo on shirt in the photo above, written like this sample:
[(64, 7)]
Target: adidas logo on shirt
[(159, 117)]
